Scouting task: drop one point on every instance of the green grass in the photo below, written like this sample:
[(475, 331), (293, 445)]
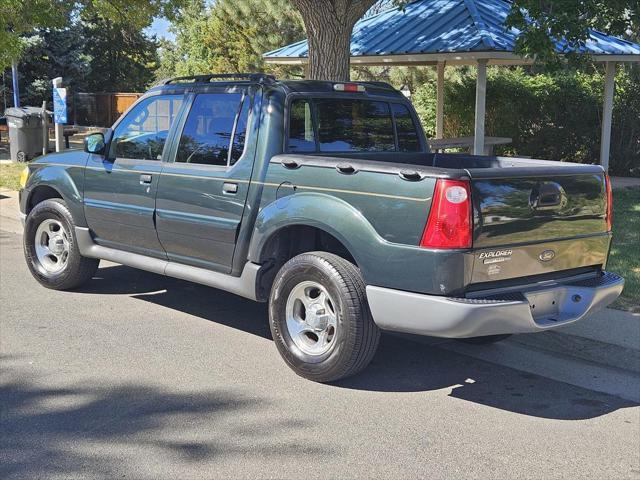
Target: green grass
[(625, 251), (10, 175)]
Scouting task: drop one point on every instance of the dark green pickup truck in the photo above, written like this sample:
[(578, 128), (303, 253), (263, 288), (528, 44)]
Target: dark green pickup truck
[(324, 200)]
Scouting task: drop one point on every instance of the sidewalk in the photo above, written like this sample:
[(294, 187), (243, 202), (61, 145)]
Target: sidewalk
[(9, 211), (624, 182)]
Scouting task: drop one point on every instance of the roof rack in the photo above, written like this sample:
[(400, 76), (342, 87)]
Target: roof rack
[(253, 77)]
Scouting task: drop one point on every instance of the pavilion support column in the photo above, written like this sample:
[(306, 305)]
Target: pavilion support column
[(440, 101), (305, 70), (481, 97), (607, 114)]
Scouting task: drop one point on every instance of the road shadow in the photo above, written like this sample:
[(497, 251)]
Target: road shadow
[(187, 297), (38, 424), (402, 363)]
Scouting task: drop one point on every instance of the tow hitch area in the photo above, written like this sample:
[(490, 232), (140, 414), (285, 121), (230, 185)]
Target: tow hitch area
[(568, 302), (545, 305)]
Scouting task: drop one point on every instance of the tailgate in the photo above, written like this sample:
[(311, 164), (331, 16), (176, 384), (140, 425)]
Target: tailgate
[(537, 221)]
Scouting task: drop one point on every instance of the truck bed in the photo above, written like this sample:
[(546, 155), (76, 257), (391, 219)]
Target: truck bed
[(530, 217)]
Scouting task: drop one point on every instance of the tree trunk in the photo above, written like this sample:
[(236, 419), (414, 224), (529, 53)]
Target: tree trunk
[(329, 24), (329, 50)]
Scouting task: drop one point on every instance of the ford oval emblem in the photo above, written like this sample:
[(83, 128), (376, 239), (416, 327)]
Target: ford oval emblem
[(547, 255)]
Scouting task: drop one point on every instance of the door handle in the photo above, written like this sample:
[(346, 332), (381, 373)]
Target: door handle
[(230, 188), (145, 179)]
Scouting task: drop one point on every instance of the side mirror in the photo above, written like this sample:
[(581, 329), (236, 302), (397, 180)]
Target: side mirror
[(95, 143)]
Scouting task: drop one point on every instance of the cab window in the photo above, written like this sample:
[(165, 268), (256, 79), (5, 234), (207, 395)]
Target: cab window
[(354, 126), (406, 131), (351, 125)]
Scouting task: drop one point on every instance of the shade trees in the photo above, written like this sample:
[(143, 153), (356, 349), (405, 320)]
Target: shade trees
[(229, 36), (22, 17)]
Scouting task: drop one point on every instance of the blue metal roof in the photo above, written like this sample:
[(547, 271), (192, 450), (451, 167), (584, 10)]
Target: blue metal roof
[(448, 26)]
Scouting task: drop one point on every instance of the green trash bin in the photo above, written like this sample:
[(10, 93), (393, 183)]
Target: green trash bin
[(25, 132)]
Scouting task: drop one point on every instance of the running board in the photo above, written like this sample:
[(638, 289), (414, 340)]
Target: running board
[(244, 285)]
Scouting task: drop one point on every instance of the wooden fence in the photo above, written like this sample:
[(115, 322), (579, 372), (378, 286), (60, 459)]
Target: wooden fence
[(99, 109)]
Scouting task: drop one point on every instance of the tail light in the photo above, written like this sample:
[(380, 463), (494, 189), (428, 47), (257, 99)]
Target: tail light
[(607, 182), (449, 224)]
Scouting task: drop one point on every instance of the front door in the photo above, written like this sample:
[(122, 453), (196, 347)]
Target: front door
[(202, 192), (120, 190)]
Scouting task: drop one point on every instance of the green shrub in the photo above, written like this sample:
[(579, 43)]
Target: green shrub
[(553, 116)]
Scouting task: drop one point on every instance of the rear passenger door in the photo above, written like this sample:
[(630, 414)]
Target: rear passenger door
[(203, 187)]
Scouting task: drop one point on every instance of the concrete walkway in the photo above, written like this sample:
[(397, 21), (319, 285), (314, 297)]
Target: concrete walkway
[(625, 182), (9, 211)]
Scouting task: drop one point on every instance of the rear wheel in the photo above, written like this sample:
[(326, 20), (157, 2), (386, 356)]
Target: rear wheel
[(320, 319), (51, 249)]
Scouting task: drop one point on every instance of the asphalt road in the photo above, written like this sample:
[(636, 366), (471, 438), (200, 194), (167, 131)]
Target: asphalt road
[(139, 376)]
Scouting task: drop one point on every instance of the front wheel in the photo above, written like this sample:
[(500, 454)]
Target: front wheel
[(320, 319), (51, 249)]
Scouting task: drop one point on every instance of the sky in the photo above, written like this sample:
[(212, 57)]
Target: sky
[(160, 28)]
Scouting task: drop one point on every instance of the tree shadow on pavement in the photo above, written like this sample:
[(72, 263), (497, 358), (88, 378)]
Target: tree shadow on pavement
[(90, 431), (401, 364)]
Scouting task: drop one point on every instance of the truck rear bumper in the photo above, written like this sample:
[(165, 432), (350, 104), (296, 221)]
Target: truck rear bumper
[(533, 310)]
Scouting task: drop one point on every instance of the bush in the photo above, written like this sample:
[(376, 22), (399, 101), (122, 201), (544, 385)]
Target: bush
[(553, 116)]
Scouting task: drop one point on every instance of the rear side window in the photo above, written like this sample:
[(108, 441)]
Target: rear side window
[(301, 135), (350, 125), (215, 129), (406, 130)]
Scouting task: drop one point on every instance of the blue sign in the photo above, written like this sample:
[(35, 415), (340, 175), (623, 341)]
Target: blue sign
[(60, 105)]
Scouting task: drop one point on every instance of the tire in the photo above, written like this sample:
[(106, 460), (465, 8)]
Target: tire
[(349, 337), (487, 340), (53, 257)]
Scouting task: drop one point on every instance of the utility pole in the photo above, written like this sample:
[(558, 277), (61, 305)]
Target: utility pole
[(45, 129), (58, 127), (16, 88), (4, 93)]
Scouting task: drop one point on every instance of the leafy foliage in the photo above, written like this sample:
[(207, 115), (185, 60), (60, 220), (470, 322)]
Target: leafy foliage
[(120, 57), (95, 55), (229, 36), (556, 116), (48, 54), (19, 17), (540, 21)]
